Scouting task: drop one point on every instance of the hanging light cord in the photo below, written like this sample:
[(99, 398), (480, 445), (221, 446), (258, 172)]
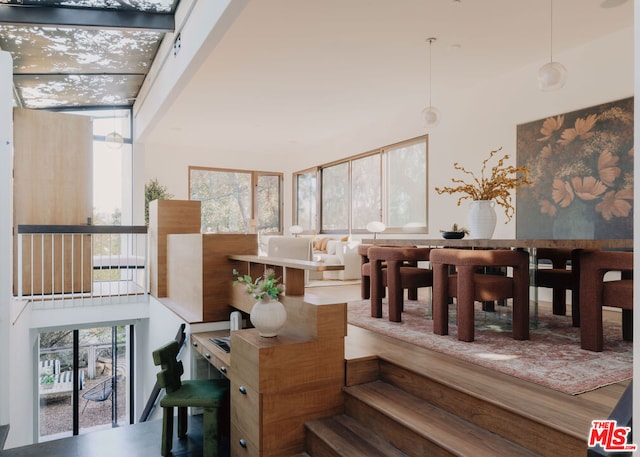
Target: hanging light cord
[(430, 40), (551, 33)]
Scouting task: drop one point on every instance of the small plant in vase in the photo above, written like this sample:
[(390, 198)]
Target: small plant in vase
[(268, 315)]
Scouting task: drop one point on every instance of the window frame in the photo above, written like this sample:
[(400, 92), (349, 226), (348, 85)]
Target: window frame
[(294, 197), (383, 152), (255, 175)]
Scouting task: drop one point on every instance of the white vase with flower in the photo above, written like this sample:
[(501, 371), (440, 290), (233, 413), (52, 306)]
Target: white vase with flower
[(482, 219), (487, 192), (268, 315)]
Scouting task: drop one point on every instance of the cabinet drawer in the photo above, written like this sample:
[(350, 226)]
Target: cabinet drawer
[(209, 353), (245, 411), (241, 445)]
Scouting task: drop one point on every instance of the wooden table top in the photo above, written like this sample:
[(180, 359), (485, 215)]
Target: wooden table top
[(506, 243), (287, 263)]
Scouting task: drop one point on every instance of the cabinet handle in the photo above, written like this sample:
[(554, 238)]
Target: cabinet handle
[(207, 355), (195, 344), (243, 443), (223, 369), (242, 390)]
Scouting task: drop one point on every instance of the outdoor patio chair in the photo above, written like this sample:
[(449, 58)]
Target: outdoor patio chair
[(595, 293), (469, 286), (209, 394), (100, 392)]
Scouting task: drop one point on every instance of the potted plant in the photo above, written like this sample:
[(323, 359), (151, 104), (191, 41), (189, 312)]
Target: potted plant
[(268, 315), (153, 190), (47, 380), (488, 191)]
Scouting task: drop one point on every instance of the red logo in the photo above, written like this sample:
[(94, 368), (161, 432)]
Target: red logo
[(612, 438)]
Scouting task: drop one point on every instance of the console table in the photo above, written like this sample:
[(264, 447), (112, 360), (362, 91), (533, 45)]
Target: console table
[(294, 269)]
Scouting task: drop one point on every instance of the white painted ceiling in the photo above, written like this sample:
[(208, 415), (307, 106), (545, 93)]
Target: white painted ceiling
[(292, 74)]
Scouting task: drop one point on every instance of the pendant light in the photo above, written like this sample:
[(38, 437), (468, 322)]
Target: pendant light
[(430, 114), (552, 75), (113, 139)]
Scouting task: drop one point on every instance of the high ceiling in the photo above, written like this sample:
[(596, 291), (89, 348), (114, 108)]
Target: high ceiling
[(289, 75), (82, 53)]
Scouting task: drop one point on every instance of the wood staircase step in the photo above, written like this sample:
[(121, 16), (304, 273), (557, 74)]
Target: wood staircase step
[(535, 433), (418, 428), (342, 436)]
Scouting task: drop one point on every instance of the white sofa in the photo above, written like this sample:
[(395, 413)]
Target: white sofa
[(322, 249), (338, 252)]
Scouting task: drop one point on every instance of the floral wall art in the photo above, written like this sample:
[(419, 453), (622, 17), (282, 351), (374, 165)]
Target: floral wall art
[(581, 165)]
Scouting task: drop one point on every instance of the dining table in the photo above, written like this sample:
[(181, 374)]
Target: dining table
[(530, 245)]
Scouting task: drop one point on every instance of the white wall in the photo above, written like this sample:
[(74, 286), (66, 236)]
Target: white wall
[(25, 325), (474, 122), (6, 222), (486, 117)]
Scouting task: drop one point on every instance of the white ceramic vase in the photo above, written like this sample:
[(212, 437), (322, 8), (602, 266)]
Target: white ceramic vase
[(268, 316), (482, 219)]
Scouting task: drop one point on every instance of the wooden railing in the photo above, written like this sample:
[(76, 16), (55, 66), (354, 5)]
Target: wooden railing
[(58, 262)]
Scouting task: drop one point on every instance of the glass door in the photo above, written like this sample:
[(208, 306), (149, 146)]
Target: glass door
[(99, 358)]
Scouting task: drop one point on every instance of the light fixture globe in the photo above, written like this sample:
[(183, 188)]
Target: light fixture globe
[(296, 230), (114, 140), (552, 76), (431, 117)]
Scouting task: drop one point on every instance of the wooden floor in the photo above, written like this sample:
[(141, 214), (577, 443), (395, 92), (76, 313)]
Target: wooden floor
[(571, 413), (568, 412)]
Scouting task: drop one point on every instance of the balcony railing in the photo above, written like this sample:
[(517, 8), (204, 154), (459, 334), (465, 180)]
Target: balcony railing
[(70, 262)]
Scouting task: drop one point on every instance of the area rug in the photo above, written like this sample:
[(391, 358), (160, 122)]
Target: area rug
[(552, 357)]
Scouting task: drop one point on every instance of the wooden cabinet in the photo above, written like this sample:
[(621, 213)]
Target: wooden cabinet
[(166, 217), (278, 384), (200, 342), (199, 274)]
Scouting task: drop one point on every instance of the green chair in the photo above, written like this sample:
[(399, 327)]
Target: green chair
[(210, 394)]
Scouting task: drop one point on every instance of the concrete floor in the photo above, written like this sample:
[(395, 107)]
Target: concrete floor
[(139, 440)]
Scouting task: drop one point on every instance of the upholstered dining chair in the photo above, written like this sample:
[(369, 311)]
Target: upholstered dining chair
[(209, 394), (595, 293), (468, 286), (402, 272), (562, 276), (365, 271)]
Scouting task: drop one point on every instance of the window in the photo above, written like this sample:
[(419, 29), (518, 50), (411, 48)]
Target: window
[(112, 166), (366, 188), (407, 172), (335, 197), (305, 201), (229, 203), (388, 185)]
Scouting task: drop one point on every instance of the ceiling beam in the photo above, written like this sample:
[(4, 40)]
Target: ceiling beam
[(89, 18)]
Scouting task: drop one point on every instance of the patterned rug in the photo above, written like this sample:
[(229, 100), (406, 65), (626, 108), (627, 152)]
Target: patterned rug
[(552, 357)]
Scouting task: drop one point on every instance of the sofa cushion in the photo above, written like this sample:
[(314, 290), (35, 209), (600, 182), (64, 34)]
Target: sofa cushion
[(320, 244), (332, 246)]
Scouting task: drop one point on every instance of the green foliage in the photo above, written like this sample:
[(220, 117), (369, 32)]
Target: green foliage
[(263, 287), (153, 190)]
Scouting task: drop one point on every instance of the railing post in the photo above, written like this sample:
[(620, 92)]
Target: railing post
[(19, 266)]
